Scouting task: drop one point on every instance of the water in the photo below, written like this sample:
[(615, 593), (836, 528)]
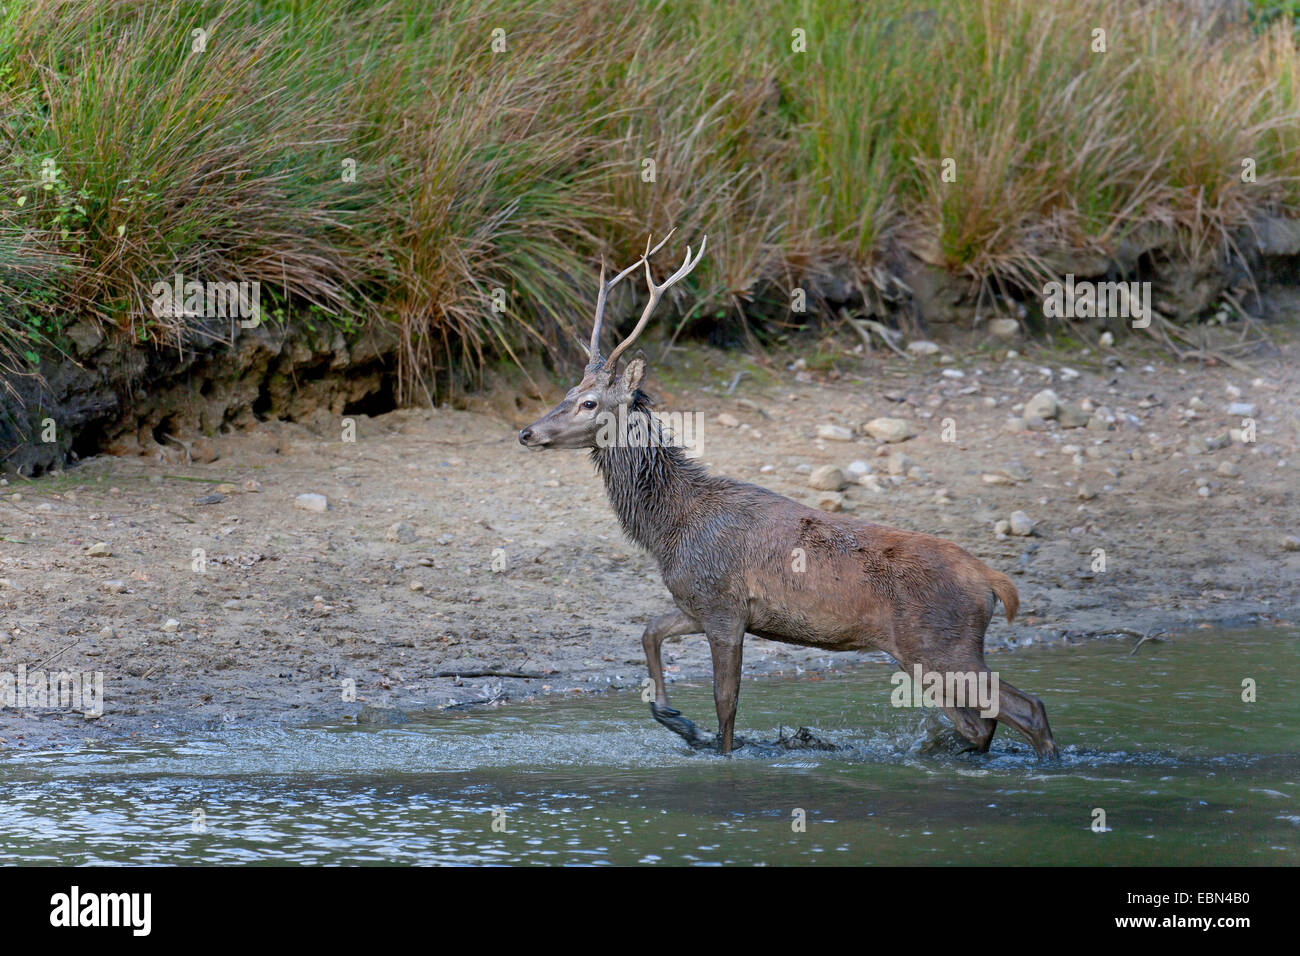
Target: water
[(1161, 741)]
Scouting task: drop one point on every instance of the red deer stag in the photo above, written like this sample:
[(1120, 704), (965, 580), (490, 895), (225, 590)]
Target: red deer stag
[(741, 559)]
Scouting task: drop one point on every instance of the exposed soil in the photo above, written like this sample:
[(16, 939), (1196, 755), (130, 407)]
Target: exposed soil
[(292, 603)]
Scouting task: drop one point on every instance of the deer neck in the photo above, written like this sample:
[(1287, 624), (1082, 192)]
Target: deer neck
[(650, 481)]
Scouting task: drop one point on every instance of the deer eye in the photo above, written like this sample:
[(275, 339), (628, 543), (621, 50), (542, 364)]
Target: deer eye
[(588, 404)]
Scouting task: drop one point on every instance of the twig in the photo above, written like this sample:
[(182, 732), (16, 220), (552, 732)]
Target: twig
[(521, 674), (864, 328), (60, 653), (1148, 636)]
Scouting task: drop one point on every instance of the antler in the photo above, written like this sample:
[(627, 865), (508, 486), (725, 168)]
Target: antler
[(593, 353), (656, 291)]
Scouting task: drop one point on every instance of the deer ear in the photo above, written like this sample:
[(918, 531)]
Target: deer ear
[(634, 374)]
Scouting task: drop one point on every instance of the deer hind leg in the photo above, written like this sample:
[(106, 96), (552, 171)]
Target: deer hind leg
[(978, 730), (1027, 714), (672, 624)]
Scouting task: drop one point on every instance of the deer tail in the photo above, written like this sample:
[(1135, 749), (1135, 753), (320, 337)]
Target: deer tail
[(1006, 593)]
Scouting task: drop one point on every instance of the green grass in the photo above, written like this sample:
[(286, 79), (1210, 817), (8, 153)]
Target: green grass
[(128, 155)]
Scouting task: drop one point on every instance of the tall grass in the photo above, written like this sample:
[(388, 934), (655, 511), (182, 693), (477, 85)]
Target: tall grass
[(489, 182)]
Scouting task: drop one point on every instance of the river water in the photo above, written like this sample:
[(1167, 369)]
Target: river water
[(1160, 742)]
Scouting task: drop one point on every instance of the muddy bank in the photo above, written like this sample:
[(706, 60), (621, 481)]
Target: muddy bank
[(105, 393), (446, 549)]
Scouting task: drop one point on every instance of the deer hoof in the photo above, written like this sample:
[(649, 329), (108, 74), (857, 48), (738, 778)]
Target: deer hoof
[(674, 721)]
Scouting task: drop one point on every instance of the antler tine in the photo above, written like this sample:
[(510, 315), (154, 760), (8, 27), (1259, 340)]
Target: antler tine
[(656, 292), (593, 353)]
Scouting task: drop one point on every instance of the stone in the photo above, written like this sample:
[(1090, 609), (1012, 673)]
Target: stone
[(872, 483), (99, 550), (1021, 524), (1002, 528), (311, 502), (728, 421), (830, 501), (1072, 416), (889, 429), (834, 433), (113, 587), (922, 347), (899, 464), (1228, 469), (171, 625), (402, 532), (1043, 405), (1004, 329), (1291, 543), (1242, 408), (827, 478), (857, 469)]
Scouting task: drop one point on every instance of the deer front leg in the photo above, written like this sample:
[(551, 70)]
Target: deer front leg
[(726, 644), (672, 624)]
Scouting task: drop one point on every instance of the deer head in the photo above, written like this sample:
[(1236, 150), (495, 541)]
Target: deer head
[(577, 421)]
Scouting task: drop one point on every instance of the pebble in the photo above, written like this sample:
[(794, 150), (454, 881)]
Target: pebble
[(922, 347), (171, 626), (113, 587), (107, 632), (827, 478), (1043, 405), (1242, 408), (226, 488), (899, 464), (857, 469), (402, 532), (417, 586), (1072, 416), (1086, 493), (834, 433), (1291, 543), (1021, 524), (889, 429), (1002, 528), (1004, 329), (99, 550), (728, 421), (311, 502), (830, 501), (252, 485), (1228, 469), (1107, 340)]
